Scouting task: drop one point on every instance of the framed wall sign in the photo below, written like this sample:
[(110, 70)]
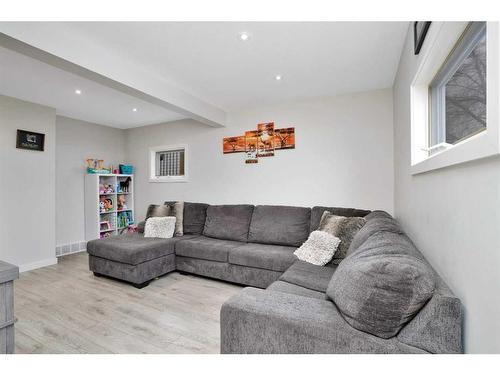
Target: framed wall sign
[(27, 140), (420, 29)]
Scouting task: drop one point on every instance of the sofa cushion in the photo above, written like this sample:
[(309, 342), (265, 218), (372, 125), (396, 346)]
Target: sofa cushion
[(377, 214), (387, 243), (374, 224), (280, 225), (269, 257), (206, 248), (379, 294), (132, 248), (317, 212), (284, 287), (309, 276), (228, 222), (194, 217)]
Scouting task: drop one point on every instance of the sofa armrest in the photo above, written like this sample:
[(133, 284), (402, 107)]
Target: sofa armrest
[(140, 226), (263, 321)]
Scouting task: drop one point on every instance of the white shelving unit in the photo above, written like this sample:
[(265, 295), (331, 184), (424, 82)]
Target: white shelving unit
[(95, 217)]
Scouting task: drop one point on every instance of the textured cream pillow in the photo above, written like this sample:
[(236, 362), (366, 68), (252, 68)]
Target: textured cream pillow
[(160, 227), (318, 249)]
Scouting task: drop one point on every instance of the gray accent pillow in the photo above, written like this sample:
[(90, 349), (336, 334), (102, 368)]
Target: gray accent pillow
[(177, 210), (379, 294), (280, 225), (157, 210), (154, 210), (228, 222), (317, 212), (342, 227)]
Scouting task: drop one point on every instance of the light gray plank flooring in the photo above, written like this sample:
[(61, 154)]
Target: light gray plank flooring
[(65, 309)]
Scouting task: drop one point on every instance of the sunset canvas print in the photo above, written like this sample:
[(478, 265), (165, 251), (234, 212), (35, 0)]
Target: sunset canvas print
[(231, 145), (251, 143), (284, 138), (260, 143), (265, 139)]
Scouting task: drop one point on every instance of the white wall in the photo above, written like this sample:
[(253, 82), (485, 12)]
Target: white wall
[(27, 186), (343, 156), (452, 214), (77, 141)]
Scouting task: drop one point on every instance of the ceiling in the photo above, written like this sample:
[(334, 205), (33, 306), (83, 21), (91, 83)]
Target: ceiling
[(209, 61), (34, 81)]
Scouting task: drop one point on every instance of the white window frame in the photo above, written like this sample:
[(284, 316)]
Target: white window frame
[(152, 164), (441, 39)]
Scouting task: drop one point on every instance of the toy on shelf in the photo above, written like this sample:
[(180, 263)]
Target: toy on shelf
[(106, 189), (125, 219), (96, 166), (120, 203), (105, 204), (124, 186), (105, 225), (105, 235)]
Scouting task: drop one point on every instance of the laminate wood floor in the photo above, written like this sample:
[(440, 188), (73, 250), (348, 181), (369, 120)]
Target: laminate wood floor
[(66, 309)]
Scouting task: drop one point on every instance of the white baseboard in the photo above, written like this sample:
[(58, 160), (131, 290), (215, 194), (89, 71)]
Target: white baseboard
[(73, 252), (71, 248), (38, 264)]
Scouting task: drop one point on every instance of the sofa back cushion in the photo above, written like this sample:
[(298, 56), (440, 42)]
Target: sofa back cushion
[(389, 243), (228, 222), (317, 212), (280, 225), (194, 217), (374, 224), (379, 291)]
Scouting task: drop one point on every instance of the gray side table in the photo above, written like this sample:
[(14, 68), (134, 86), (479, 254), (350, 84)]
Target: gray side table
[(8, 273)]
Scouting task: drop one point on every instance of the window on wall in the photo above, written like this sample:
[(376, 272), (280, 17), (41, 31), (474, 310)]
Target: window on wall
[(458, 92), (168, 163)]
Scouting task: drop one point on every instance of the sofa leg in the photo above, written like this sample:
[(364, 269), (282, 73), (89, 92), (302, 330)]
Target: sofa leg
[(140, 286)]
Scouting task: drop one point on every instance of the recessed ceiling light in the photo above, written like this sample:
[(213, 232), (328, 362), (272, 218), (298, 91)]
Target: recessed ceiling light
[(278, 77), (244, 36), (134, 109), (78, 92)]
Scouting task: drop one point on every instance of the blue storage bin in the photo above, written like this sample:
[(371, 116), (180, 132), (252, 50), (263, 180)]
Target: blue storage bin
[(126, 169)]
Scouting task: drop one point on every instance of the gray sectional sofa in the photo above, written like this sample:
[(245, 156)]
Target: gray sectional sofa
[(296, 313)]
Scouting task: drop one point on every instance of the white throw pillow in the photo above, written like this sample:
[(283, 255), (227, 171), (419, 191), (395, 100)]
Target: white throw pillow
[(160, 227), (319, 248)]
